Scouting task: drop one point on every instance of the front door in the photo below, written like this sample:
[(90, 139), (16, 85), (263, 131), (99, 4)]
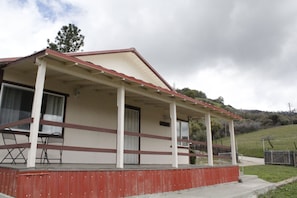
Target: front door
[(132, 120)]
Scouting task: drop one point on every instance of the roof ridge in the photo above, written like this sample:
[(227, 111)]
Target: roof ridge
[(132, 49)]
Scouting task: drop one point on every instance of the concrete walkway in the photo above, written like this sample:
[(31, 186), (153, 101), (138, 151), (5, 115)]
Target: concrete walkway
[(250, 187)]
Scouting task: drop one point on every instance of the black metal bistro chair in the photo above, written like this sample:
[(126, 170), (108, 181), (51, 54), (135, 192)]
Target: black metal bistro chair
[(43, 141), (54, 154), (13, 154)]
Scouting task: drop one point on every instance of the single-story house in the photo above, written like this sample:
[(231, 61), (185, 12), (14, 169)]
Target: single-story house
[(116, 118)]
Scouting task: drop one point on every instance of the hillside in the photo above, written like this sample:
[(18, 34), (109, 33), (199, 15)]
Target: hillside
[(251, 144), (252, 120)]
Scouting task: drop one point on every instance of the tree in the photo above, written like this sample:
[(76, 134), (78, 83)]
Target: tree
[(197, 130), (192, 93), (68, 39), (219, 100)]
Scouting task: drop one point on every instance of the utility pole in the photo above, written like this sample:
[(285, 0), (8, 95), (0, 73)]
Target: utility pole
[(291, 111)]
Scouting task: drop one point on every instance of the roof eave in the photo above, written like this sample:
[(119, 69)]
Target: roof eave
[(54, 54), (207, 106)]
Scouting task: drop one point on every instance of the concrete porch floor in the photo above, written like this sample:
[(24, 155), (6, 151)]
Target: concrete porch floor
[(76, 166)]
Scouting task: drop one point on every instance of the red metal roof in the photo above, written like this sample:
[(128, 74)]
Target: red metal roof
[(8, 60), (70, 57)]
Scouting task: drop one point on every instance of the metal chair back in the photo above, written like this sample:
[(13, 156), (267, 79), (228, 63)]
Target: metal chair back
[(13, 154)]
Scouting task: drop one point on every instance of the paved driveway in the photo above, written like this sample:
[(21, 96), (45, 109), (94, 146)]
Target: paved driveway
[(250, 161)]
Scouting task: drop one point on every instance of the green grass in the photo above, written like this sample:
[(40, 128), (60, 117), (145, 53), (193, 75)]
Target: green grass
[(275, 173), (271, 173), (289, 190), (250, 144)]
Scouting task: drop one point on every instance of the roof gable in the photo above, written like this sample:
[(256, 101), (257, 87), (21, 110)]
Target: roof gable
[(125, 61)]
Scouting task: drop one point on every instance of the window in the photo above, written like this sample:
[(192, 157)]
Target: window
[(16, 104), (182, 132)]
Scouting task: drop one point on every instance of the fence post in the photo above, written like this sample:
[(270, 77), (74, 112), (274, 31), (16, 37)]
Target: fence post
[(289, 157), (294, 153)]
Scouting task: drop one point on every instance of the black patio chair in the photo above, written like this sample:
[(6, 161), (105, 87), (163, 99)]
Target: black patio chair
[(13, 154), (51, 154)]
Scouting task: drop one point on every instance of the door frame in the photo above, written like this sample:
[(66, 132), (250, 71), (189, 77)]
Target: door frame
[(139, 126)]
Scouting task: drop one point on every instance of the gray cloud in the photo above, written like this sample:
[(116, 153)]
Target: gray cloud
[(242, 50)]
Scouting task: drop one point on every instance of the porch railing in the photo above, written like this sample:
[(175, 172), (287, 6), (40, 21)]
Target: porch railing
[(111, 131), (14, 124)]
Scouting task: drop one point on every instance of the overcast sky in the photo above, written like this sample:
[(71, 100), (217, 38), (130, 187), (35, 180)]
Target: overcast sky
[(242, 50)]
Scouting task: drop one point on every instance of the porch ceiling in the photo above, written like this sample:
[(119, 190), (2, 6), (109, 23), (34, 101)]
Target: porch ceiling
[(88, 85), (131, 97)]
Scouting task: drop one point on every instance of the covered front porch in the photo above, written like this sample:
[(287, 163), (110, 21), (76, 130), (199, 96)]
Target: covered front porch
[(113, 116)]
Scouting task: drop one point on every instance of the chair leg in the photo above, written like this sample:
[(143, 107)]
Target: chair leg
[(42, 156), (5, 157), (11, 156), (45, 158), (60, 156), (21, 154)]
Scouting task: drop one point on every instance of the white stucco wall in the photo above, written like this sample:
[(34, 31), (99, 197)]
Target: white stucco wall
[(126, 63)]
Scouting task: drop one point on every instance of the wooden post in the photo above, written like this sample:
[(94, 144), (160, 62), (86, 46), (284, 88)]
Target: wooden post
[(120, 129), (173, 134), (209, 139), (232, 140), (36, 112)]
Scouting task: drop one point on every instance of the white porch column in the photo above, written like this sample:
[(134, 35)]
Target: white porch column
[(173, 135), (232, 140), (209, 139), (36, 111), (120, 130)]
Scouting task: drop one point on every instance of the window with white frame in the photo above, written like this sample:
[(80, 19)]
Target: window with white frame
[(182, 132), (16, 104)]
